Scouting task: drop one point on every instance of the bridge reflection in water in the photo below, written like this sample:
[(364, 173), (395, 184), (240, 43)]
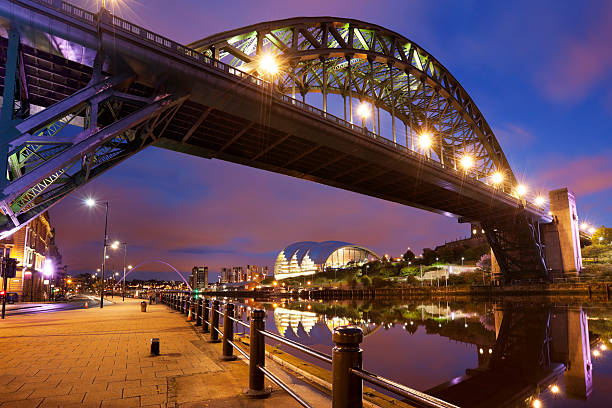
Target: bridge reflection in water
[(524, 352)]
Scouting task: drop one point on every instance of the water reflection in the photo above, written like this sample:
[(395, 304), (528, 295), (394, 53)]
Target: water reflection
[(522, 355)]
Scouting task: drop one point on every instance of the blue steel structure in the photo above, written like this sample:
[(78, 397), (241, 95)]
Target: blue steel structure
[(124, 88)]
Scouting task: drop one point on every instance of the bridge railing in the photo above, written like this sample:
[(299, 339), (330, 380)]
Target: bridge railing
[(346, 359), (167, 44)]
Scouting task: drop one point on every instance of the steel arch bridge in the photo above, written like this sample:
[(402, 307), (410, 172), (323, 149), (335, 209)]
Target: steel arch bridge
[(124, 88), (366, 62)]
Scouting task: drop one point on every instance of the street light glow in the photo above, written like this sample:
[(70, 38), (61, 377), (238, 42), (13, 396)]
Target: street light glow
[(363, 110), (521, 190), (555, 389), (90, 202), (48, 268), (268, 64), (591, 230), (537, 403), (467, 162), (584, 226), (539, 201), (425, 140), (497, 177)]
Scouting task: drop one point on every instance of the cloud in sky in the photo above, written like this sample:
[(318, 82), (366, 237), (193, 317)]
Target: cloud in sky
[(192, 211), (583, 60)]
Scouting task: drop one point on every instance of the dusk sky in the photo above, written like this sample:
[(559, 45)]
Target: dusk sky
[(540, 72)]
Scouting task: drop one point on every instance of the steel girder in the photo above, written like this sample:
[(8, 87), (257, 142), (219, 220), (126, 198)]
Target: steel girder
[(51, 153), (367, 62)]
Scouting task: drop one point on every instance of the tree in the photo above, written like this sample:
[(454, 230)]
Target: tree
[(484, 263), (408, 256), (604, 233), (366, 280), (429, 256)]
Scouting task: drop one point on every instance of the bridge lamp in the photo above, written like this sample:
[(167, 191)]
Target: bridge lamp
[(115, 245), (268, 64), (584, 226), (521, 190), (497, 178), (536, 403), (591, 230), (555, 389), (425, 140), (363, 110), (467, 162), (539, 201)]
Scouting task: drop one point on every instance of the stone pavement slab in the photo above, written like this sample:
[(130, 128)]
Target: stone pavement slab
[(101, 358)]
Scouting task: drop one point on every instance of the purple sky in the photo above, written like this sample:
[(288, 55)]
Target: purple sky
[(539, 71)]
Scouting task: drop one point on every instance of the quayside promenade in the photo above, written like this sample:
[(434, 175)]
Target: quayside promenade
[(101, 358)]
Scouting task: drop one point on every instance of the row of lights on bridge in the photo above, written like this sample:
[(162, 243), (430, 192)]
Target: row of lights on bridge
[(270, 66)]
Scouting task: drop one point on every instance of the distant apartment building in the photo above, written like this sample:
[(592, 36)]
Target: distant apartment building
[(237, 274), (32, 245), (199, 277)]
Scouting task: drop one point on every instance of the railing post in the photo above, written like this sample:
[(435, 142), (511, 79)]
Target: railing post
[(257, 355), (347, 388), (198, 318), (192, 303), (214, 334), (206, 316), (228, 333)]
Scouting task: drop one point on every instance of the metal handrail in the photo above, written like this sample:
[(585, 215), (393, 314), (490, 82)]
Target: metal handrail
[(218, 331), (239, 349), (415, 397), (311, 352), (240, 322), (284, 386)]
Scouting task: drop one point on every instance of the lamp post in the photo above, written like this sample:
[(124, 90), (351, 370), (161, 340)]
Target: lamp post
[(90, 202), (116, 245)]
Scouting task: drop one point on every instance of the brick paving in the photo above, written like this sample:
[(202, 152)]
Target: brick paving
[(101, 358)]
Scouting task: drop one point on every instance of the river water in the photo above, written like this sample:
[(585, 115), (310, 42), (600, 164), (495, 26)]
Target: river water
[(474, 354)]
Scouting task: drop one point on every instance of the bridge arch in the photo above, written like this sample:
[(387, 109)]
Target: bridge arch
[(155, 261), (361, 61)]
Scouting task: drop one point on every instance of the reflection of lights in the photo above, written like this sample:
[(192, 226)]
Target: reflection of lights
[(596, 353), (555, 389), (481, 351), (536, 403), (490, 351), (465, 325)]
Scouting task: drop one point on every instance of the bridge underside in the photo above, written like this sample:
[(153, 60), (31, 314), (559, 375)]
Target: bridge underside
[(209, 113)]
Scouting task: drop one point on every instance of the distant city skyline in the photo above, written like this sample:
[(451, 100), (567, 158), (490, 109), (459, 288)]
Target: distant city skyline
[(530, 77)]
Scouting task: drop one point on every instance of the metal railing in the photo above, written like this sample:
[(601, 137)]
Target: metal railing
[(165, 44), (346, 359)]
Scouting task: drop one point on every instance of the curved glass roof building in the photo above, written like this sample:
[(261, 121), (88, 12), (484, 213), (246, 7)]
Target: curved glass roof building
[(308, 257)]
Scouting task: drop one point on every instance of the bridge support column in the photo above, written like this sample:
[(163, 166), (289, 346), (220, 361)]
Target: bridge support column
[(561, 237)]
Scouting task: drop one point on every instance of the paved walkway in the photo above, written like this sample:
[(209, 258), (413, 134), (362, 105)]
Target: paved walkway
[(101, 358)]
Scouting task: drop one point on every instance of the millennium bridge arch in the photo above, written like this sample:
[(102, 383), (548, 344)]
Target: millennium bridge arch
[(124, 88)]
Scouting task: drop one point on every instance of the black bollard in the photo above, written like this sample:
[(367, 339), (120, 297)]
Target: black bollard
[(347, 388), (228, 333), (198, 319), (206, 316), (257, 356), (214, 334), (155, 346)]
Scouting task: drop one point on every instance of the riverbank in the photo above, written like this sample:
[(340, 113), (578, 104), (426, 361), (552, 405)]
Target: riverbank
[(592, 290)]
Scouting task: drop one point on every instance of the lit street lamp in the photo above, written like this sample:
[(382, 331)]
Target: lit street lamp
[(116, 245), (90, 202)]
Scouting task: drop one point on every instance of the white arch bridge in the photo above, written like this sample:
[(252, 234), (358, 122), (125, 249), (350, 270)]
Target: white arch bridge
[(424, 142)]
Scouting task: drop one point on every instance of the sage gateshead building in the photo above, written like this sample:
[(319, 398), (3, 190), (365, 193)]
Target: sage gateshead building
[(308, 258)]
